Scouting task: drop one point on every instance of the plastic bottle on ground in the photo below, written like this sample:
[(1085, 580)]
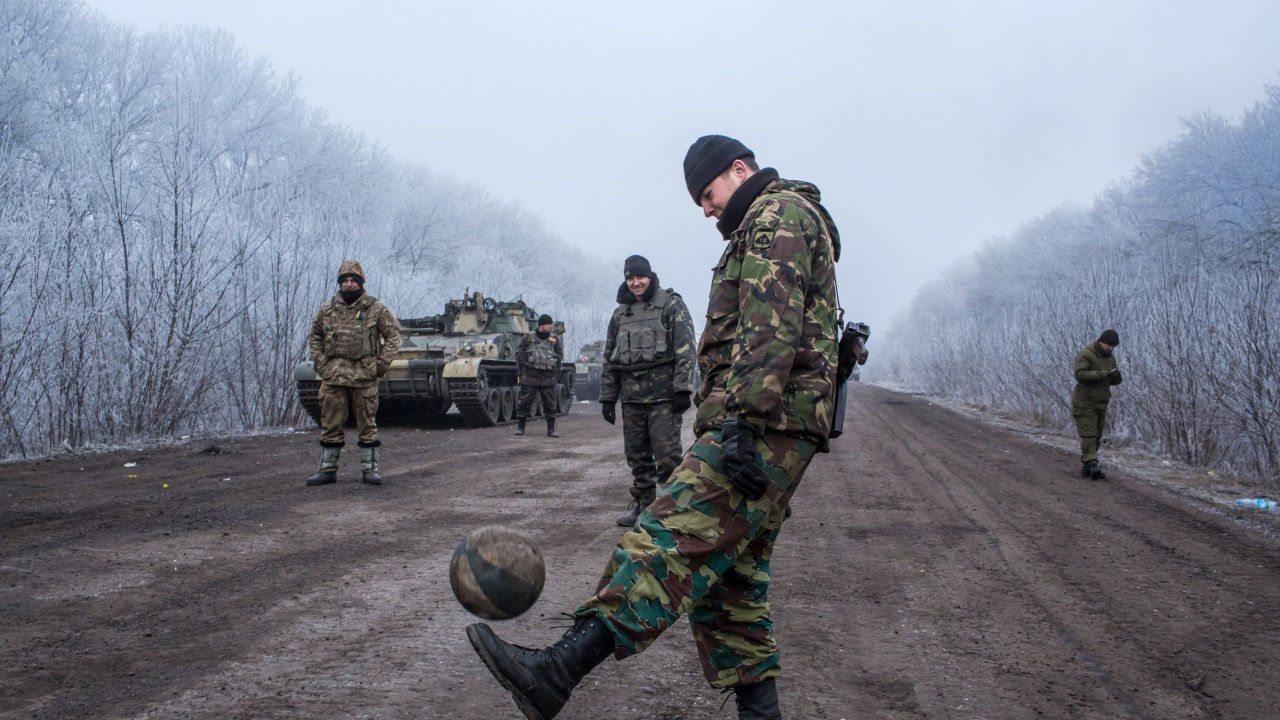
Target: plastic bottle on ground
[(1263, 503)]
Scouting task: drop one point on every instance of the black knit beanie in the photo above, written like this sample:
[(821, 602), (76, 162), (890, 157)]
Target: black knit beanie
[(359, 280), (637, 265), (1110, 337), (709, 156), (544, 319)]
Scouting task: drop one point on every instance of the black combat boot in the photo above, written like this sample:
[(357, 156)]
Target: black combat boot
[(637, 506), (1096, 472), (328, 473), (758, 701), (1086, 470), (551, 426), (540, 680), (520, 426)]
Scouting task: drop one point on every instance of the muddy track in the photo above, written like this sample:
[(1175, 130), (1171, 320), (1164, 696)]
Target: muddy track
[(936, 567)]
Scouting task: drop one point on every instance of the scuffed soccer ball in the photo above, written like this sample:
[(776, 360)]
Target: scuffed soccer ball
[(496, 572)]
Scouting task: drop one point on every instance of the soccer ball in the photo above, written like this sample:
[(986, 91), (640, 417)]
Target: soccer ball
[(496, 572)]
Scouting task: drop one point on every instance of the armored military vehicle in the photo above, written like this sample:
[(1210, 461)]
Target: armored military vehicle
[(587, 371), (464, 357)]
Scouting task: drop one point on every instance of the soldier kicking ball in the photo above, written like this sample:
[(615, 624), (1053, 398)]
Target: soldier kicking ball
[(768, 359)]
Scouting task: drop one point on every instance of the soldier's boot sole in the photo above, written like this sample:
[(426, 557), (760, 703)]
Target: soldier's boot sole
[(488, 656), (541, 681)]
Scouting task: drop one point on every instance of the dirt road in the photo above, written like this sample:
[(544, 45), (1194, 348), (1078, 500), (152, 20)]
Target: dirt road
[(936, 567)]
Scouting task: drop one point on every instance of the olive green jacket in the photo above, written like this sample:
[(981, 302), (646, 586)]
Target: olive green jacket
[(1094, 379)]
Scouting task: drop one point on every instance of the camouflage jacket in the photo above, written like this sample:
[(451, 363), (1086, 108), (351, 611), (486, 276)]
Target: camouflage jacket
[(538, 361), (353, 344), (655, 368), (768, 352), (1092, 371)]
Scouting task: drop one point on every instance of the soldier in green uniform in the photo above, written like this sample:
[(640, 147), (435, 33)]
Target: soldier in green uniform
[(702, 548), (353, 340), (649, 360), (1095, 371), (538, 358)]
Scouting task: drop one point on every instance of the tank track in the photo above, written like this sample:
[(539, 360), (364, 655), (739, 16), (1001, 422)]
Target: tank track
[(467, 396), (464, 393)]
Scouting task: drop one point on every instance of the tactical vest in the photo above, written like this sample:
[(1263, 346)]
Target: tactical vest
[(642, 339), (541, 353), (349, 331)]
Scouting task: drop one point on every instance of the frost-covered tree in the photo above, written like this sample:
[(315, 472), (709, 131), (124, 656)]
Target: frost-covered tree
[(1182, 258), (172, 214)]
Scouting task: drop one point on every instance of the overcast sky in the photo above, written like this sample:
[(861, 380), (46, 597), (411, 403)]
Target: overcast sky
[(930, 127)]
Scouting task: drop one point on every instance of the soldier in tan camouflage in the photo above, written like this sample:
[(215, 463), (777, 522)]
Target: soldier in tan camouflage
[(702, 548), (649, 359), (539, 355), (353, 340)]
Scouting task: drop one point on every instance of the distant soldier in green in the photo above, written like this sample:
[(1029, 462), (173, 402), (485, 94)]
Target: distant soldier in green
[(702, 548), (539, 356), (1095, 371), (649, 358), (353, 340)]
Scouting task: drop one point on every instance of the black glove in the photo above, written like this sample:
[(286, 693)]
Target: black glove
[(739, 442), (681, 402), (609, 411)]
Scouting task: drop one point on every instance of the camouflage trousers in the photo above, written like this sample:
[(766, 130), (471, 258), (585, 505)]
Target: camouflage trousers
[(525, 404), (333, 412), (701, 549), (651, 439), (1089, 424)]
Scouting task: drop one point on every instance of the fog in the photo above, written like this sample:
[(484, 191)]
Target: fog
[(929, 127)]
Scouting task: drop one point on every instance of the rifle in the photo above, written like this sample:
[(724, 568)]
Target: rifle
[(852, 351)]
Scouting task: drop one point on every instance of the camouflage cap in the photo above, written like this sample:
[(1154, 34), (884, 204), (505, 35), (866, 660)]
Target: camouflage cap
[(351, 268)]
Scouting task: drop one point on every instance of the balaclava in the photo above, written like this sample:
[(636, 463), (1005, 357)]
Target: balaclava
[(351, 269)]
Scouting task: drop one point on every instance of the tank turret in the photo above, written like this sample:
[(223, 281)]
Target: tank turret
[(587, 371)]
